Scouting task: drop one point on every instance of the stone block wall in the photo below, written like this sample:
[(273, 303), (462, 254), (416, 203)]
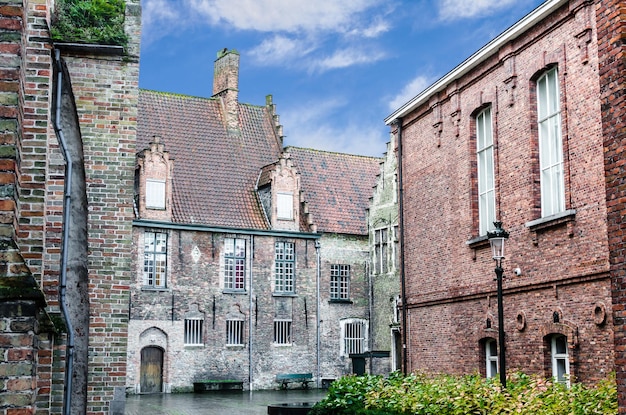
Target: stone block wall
[(564, 263)]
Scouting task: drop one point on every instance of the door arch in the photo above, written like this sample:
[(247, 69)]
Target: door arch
[(151, 372)]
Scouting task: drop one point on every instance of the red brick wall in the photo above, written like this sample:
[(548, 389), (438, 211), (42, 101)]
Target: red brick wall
[(450, 282), (611, 44)]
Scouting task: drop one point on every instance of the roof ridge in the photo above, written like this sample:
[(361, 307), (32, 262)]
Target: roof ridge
[(331, 152), (175, 94)]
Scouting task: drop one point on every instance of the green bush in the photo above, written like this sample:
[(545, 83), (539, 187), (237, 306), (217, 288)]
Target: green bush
[(419, 394), (89, 21)]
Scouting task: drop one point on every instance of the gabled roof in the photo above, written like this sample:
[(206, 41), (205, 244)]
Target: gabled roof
[(336, 187), (214, 172)]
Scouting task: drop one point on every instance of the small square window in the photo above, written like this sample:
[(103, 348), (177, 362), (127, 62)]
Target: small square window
[(155, 194)]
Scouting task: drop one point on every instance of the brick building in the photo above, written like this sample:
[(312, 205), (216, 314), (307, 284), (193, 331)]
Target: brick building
[(86, 94), (514, 133), (242, 246)]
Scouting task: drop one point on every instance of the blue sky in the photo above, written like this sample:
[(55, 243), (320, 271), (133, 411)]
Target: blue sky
[(335, 68)]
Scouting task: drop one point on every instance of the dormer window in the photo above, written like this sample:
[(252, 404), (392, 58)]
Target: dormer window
[(155, 194), (284, 206)]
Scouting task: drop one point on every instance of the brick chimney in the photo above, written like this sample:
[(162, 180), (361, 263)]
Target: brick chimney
[(226, 86)]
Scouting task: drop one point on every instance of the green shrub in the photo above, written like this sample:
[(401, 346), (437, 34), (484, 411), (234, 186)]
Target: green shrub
[(419, 394), (89, 21)]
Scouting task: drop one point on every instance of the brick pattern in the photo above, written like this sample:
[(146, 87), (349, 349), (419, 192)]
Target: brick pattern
[(565, 265), (612, 69)]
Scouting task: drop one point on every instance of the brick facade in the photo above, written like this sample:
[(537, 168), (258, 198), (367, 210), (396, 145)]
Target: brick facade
[(611, 68), (563, 284)]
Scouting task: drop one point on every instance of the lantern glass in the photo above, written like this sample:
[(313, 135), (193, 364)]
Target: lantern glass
[(497, 247)]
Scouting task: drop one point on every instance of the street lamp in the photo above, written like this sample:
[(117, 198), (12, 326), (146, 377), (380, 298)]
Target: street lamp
[(497, 239)]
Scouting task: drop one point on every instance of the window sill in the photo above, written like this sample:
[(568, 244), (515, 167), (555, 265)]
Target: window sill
[(234, 292), (552, 221), (235, 346), (194, 346), (155, 289), (478, 242), (339, 301), (275, 294)]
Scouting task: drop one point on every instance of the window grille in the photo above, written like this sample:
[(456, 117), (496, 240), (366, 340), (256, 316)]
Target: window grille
[(354, 338), (340, 282), (282, 331), (234, 332), (193, 331), (155, 259)]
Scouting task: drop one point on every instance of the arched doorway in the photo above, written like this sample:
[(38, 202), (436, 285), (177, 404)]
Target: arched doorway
[(151, 372)]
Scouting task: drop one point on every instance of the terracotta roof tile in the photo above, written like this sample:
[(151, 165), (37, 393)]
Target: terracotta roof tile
[(337, 188)]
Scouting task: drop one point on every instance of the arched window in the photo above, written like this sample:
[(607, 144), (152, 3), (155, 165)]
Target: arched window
[(486, 171), (560, 358)]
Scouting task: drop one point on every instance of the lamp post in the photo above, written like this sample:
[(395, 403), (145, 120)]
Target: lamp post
[(497, 239)]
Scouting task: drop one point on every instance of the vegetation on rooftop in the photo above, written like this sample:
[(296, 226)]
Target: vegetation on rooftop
[(89, 21), (419, 394)]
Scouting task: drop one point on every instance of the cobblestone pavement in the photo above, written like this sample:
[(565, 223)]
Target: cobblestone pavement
[(217, 403)]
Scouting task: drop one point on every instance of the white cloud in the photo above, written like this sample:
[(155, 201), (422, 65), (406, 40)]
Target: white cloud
[(155, 14), (278, 49), (283, 15), (462, 9), (311, 126), (410, 90), (344, 58)]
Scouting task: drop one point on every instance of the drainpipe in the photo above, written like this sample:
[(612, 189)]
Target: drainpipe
[(251, 309), (402, 267), (370, 300), (317, 310), (67, 202)]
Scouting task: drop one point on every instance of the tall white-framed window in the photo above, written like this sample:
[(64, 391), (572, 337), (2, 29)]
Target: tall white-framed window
[(234, 264), (339, 282), (491, 358), (234, 332), (193, 332), (560, 359), (284, 267), (284, 206), (550, 144), (282, 332), (155, 194), (353, 336), (381, 251), (155, 259), (486, 171)]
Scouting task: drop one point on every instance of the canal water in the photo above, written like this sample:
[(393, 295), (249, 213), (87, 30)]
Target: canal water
[(217, 403)]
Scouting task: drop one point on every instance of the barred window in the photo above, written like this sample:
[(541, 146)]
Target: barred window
[(234, 264), (285, 264), (282, 331), (193, 331), (234, 332), (340, 282), (354, 336), (155, 259)]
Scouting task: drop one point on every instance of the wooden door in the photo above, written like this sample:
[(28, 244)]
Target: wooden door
[(151, 371)]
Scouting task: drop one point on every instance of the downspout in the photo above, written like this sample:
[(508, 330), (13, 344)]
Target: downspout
[(250, 310), (402, 267), (69, 360), (370, 311), (317, 311)]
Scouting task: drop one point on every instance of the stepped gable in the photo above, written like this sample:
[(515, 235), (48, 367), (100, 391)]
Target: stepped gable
[(215, 171), (336, 188)]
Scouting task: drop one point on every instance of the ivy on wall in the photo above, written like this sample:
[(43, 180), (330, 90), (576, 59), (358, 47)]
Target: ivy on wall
[(89, 21)]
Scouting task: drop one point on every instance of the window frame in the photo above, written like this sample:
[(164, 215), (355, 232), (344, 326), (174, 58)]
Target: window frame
[(284, 267), (381, 250), (158, 270), (235, 330), (283, 332), (550, 143), (340, 282), (486, 171), (194, 331), (155, 194), (348, 340), (491, 358), (284, 206), (556, 357), (235, 277)]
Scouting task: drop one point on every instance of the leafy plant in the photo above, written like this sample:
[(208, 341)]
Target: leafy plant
[(419, 394), (90, 21)]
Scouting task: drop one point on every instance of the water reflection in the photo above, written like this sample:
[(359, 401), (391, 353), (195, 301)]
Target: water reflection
[(217, 403)]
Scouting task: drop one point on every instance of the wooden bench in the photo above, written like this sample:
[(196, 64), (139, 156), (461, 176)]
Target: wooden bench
[(286, 378)]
